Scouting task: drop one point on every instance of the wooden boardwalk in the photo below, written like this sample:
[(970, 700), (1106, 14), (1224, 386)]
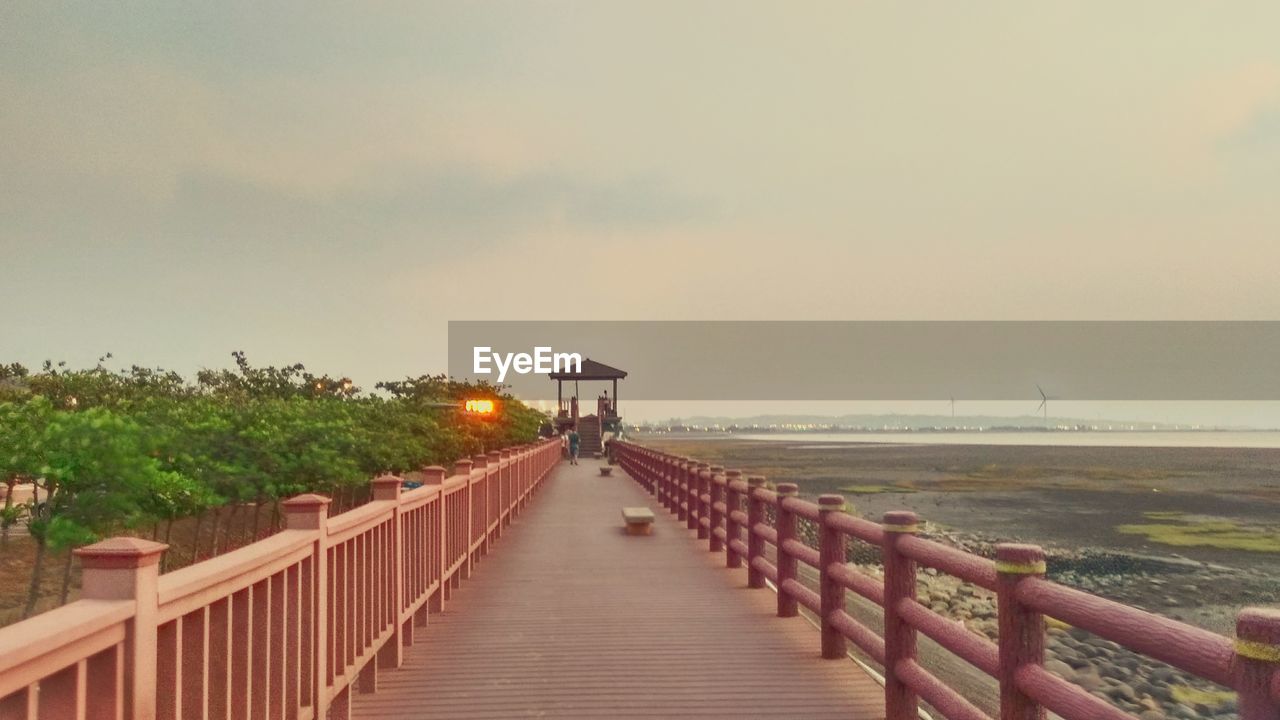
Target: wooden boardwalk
[(568, 617)]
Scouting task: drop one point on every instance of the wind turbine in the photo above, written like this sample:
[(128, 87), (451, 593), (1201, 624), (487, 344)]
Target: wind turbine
[(1044, 404)]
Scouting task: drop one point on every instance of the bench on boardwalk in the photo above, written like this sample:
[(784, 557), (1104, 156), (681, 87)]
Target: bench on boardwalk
[(639, 520)]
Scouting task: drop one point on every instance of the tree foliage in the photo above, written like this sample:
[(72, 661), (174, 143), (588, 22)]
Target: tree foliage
[(111, 450)]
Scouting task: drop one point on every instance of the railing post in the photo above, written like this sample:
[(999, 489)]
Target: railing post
[(664, 475), (786, 562), (497, 479), (685, 492), (517, 476), (526, 473), (481, 462), (701, 491), (732, 531), (463, 468), (508, 487), (831, 551), (1021, 633), (434, 475), (755, 543), (714, 494), (128, 568), (671, 501), (310, 513), (391, 655), (1258, 658), (900, 702)]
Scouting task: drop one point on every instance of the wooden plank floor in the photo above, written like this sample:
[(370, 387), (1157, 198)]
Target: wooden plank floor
[(568, 617)]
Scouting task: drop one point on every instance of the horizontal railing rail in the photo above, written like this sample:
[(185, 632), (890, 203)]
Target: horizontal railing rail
[(285, 627), (710, 500)]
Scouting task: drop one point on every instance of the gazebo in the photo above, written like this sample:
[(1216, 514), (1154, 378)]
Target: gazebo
[(606, 405)]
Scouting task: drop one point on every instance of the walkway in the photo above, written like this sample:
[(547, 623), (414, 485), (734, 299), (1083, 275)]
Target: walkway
[(570, 618)]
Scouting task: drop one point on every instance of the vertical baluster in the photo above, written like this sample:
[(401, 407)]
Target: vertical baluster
[(220, 660), (193, 647), (293, 641), (241, 620), (259, 648), (279, 646)]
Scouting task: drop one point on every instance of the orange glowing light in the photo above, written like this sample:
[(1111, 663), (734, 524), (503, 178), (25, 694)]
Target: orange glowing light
[(480, 407)]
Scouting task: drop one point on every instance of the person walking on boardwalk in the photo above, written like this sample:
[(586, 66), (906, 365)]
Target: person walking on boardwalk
[(574, 441)]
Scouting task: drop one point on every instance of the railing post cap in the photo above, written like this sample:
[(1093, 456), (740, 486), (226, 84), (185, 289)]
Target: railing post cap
[(1019, 559), (1257, 625), (716, 468), (830, 503), (755, 480), (386, 487), (464, 461), (733, 473), (480, 460), (310, 502), (494, 454), (788, 489), (120, 553), (505, 452), (433, 474), (900, 522)]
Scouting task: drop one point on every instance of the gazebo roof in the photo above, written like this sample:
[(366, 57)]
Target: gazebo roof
[(591, 370)]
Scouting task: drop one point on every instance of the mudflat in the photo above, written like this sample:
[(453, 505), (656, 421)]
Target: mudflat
[(1103, 511)]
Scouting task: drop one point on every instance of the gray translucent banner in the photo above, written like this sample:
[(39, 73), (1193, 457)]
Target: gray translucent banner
[(857, 360)]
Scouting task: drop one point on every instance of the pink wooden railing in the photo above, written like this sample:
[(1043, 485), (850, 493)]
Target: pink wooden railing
[(711, 501), (283, 628)]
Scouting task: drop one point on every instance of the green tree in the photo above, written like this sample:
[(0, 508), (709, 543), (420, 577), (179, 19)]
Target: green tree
[(96, 477)]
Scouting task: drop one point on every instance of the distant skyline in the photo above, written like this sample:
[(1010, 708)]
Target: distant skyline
[(1252, 415), (333, 184)]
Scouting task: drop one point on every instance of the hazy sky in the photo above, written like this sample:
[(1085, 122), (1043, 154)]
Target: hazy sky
[(332, 184)]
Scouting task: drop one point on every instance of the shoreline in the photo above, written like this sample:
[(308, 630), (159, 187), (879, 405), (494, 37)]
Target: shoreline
[(1222, 439)]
